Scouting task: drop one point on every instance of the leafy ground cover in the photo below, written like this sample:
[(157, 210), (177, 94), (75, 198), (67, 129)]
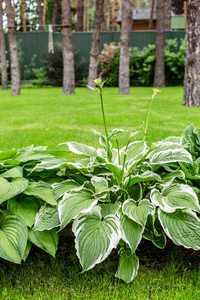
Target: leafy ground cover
[(84, 293)]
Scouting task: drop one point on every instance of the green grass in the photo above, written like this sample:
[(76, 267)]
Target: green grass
[(46, 117)]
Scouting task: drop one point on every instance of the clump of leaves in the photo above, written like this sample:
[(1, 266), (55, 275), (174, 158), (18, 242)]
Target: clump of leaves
[(113, 197)]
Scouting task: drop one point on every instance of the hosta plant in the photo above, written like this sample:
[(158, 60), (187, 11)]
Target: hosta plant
[(113, 197)]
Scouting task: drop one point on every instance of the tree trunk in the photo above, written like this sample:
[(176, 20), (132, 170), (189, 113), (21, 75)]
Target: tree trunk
[(44, 13), (124, 76), (4, 78), (93, 68), (192, 63), (15, 73), (159, 75), (55, 14), (151, 15), (110, 15), (23, 15), (39, 11), (168, 15), (68, 53), (79, 24)]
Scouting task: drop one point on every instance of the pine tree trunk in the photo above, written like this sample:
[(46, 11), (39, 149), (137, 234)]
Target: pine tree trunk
[(159, 75), (79, 24), (44, 13), (39, 11), (15, 73), (23, 15), (68, 53), (168, 15), (4, 78), (151, 15), (55, 14), (124, 75), (192, 63), (115, 15), (93, 68)]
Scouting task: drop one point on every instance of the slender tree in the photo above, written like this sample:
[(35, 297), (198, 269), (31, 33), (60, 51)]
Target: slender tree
[(115, 14), (4, 80), (159, 74), (40, 16), (124, 74), (68, 53), (93, 67), (55, 14), (151, 14), (15, 72), (23, 15), (44, 13), (168, 15), (80, 8), (192, 64)]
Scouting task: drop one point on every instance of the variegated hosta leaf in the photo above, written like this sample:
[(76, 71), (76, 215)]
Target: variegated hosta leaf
[(53, 163), (25, 207), (175, 196), (135, 151), (167, 152), (64, 186), (74, 203), (131, 232), (146, 176), (34, 154), (79, 148), (100, 184), (95, 238), (116, 170), (170, 177), (13, 236), (42, 190), (109, 209), (46, 240), (47, 218), (128, 266), (138, 212), (13, 173), (183, 227), (10, 189)]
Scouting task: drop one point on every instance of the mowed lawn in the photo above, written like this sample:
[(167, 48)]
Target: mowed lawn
[(46, 117)]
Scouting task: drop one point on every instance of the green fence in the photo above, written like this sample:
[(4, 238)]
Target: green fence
[(37, 42)]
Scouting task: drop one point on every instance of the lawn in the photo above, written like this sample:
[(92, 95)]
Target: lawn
[(46, 117)]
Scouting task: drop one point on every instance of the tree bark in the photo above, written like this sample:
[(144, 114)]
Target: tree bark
[(151, 15), (44, 13), (93, 67), (124, 75), (168, 15), (4, 77), (39, 11), (68, 53), (15, 73), (23, 15), (79, 24), (55, 14), (192, 64), (159, 75), (115, 15)]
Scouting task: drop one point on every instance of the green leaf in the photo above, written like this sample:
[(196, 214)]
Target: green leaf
[(25, 207), (109, 209), (182, 227), (42, 190), (175, 196), (27, 250), (146, 176), (79, 148), (128, 266), (46, 240), (100, 184), (135, 151), (116, 170), (13, 173), (95, 238), (138, 212), (10, 189), (131, 232), (13, 236), (47, 218), (64, 186), (167, 152), (74, 203), (4, 155)]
